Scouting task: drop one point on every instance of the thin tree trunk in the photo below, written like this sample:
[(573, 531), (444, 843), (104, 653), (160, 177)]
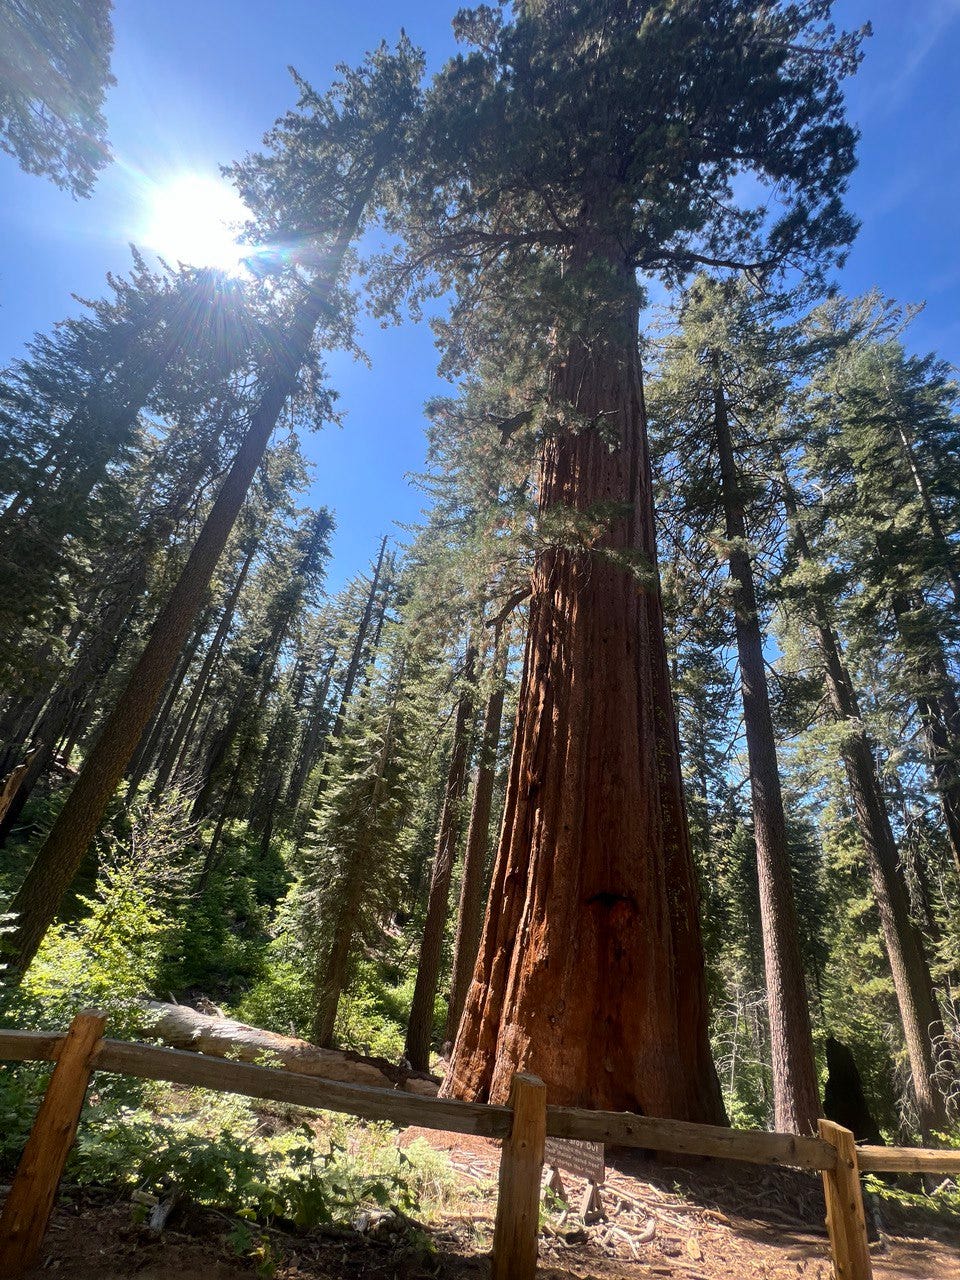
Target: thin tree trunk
[(912, 982), (306, 756), (420, 1025), (946, 553), (796, 1096), (211, 856), (37, 902), (69, 696), (470, 912), (591, 968), (353, 667), (149, 747), (188, 717), (357, 654), (939, 714)]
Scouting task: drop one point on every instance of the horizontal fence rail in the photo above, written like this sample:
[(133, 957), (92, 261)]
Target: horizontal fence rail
[(613, 1128), (520, 1124)]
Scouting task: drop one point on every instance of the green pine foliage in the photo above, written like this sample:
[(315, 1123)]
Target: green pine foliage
[(272, 844), (54, 75)]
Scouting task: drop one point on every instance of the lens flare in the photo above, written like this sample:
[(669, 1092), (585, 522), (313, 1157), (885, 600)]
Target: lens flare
[(195, 220)]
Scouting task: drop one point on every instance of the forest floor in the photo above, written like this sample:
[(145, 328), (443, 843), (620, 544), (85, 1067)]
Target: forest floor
[(693, 1223)]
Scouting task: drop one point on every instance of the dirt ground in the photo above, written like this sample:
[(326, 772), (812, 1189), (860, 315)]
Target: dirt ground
[(694, 1223)]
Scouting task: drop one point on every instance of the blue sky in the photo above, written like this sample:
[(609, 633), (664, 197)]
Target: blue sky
[(199, 83)]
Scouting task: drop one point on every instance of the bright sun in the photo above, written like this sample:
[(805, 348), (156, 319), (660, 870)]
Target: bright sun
[(195, 220)]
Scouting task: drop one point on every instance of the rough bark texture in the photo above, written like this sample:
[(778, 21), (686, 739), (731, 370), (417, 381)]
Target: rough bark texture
[(590, 972), (796, 1096), (420, 1026)]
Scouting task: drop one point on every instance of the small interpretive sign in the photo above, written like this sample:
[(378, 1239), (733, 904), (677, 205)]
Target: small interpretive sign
[(573, 1155)]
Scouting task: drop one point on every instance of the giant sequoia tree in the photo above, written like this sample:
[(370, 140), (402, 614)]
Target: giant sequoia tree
[(574, 146)]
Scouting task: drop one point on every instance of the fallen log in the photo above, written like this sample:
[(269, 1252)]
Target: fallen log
[(184, 1028)]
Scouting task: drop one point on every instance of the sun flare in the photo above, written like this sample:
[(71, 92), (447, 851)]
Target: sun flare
[(196, 220)]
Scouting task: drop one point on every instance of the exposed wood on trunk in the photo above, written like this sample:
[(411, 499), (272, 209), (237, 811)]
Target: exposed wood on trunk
[(184, 1028), (10, 785), (591, 970)]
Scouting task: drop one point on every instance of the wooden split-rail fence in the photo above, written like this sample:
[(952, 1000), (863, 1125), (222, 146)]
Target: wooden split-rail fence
[(523, 1124)]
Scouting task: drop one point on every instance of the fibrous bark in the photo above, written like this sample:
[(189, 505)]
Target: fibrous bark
[(590, 971)]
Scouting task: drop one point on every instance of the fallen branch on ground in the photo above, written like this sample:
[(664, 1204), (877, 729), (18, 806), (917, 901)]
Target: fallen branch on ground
[(184, 1028)]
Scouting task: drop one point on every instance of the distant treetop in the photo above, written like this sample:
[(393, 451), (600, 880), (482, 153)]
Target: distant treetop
[(54, 74)]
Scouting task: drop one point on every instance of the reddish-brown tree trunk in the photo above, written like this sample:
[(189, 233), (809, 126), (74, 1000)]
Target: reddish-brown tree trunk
[(796, 1095), (591, 971)]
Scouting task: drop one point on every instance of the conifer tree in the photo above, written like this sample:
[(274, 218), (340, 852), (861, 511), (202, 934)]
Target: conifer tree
[(348, 884), (347, 140), (903, 942), (882, 428), (54, 74), (721, 381), (572, 146)]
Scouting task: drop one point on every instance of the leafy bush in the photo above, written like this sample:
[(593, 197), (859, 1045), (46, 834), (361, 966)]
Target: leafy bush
[(213, 1151)]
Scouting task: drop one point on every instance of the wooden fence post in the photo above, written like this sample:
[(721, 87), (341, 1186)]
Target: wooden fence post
[(846, 1223), (517, 1225), (33, 1191)]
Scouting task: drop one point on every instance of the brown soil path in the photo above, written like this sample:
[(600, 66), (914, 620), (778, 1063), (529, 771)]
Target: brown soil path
[(712, 1222)]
